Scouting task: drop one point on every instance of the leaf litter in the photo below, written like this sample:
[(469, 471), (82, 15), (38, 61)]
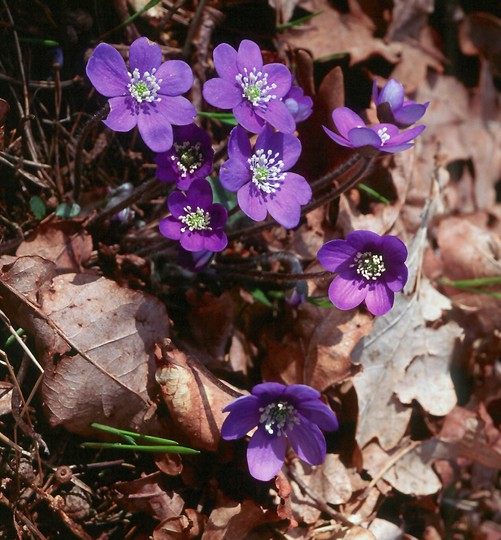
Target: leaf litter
[(127, 338)]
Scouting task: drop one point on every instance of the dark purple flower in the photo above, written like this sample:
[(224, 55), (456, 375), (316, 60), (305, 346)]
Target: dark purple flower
[(393, 108), (190, 157), (280, 412), (195, 261), (299, 105), (196, 221), (254, 92), (369, 267), (369, 141), (148, 95), (260, 177)]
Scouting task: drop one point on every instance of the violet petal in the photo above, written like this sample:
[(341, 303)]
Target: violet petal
[(221, 94), (170, 228), (347, 292), (379, 299), (144, 55), (107, 71), (225, 62), (336, 255), (308, 442), (177, 78), (251, 202), (265, 454), (121, 116), (244, 416), (279, 116), (345, 120), (249, 57), (155, 132), (318, 413)]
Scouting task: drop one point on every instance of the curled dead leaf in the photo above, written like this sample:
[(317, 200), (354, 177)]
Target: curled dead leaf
[(194, 396)]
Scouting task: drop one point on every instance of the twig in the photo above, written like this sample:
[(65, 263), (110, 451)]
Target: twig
[(193, 28), (322, 505), (80, 148)]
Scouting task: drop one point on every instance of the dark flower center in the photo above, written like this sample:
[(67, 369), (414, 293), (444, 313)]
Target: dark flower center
[(188, 157), (266, 170), (278, 417), (255, 86), (144, 88), (198, 220), (369, 265)]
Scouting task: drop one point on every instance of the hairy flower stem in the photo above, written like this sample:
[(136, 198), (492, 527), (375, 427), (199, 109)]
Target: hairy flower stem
[(334, 193), (80, 149)]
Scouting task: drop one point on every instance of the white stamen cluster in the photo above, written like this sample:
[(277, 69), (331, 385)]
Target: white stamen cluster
[(144, 88), (266, 170), (195, 220), (188, 157), (383, 135), (278, 417), (369, 265), (255, 86)]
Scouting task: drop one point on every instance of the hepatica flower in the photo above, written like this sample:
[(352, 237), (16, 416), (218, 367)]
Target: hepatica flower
[(369, 141), (280, 412), (260, 176), (196, 221), (392, 107), (190, 157), (147, 95), (370, 267), (299, 105), (252, 90)]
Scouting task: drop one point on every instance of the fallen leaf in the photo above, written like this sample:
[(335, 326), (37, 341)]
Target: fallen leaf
[(231, 520), (65, 243), (194, 396), (148, 494), (95, 341), (330, 481)]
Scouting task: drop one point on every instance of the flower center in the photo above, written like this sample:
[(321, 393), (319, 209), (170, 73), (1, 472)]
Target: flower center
[(255, 86), (369, 265), (383, 135), (266, 170), (144, 88), (278, 417), (188, 157), (198, 220)]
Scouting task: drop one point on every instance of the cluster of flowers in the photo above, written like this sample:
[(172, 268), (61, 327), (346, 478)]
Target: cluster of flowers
[(264, 101)]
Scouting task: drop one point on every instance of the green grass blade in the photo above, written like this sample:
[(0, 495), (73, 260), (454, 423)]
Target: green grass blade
[(297, 22), (159, 449)]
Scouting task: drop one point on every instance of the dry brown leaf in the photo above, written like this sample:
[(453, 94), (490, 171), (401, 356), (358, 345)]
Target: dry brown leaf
[(148, 494), (411, 473), (469, 252), (397, 340), (385, 530), (231, 520), (95, 341), (195, 397), (317, 350), (65, 243), (334, 32), (330, 481)]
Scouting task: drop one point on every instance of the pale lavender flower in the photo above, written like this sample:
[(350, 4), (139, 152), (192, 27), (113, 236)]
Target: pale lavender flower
[(370, 267), (252, 90), (280, 412), (196, 221), (260, 176), (369, 141), (190, 157), (393, 108), (147, 96), (298, 104)]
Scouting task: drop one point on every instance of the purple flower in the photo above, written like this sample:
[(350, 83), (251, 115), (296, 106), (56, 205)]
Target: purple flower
[(393, 108), (294, 412), (254, 92), (299, 105), (189, 158), (194, 261), (196, 221), (148, 95), (369, 141), (369, 267), (260, 177)]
